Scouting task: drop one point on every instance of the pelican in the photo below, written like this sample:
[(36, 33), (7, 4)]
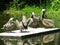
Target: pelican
[(35, 22), (9, 25), (26, 22), (46, 22), (21, 25)]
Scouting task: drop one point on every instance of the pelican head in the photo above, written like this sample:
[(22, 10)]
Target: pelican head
[(43, 9), (11, 20), (43, 13), (32, 15)]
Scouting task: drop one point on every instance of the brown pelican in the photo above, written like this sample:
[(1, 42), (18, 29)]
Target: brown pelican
[(35, 22), (9, 25), (19, 25), (46, 22), (24, 23)]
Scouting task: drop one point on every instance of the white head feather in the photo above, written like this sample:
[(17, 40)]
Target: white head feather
[(33, 13), (43, 10)]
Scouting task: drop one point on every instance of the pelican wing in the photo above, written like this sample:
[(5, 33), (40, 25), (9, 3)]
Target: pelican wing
[(48, 22)]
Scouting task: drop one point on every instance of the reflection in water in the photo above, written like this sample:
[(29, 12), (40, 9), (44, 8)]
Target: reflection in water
[(41, 40), (48, 38)]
